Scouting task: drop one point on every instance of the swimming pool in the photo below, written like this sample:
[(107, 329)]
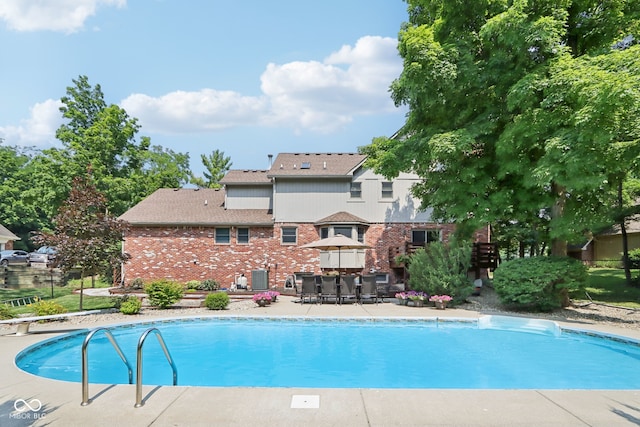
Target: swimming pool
[(494, 352)]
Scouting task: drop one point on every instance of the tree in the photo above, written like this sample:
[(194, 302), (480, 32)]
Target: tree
[(19, 214), (499, 108), (161, 168), (217, 165), (104, 138), (86, 235)]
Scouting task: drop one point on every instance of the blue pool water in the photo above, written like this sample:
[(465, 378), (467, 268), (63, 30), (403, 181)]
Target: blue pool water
[(492, 353)]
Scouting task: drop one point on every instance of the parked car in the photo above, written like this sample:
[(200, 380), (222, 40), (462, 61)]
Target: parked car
[(46, 255), (11, 256)]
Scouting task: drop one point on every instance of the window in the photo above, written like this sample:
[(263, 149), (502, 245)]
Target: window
[(356, 190), (345, 231), (242, 235), (387, 190), (289, 235), (324, 232), (361, 234), (425, 236), (223, 235)]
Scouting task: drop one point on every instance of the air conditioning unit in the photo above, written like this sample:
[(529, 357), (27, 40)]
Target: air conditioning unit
[(259, 280)]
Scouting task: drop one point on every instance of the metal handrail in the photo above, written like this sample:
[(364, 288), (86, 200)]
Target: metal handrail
[(143, 337), (85, 362)]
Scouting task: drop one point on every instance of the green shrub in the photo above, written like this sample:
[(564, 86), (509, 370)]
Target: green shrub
[(131, 305), (192, 285), (539, 283), (209, 285), (5, 312), (441, 269), (163, 293), (137, 283), (608, 263), (46, 308), (217, 301), (634, 258), (118, 300)]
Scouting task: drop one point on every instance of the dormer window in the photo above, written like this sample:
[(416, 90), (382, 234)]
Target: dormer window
[(305, 165)]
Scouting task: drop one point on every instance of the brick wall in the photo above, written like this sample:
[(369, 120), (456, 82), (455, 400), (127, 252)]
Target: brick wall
[(190, 253)]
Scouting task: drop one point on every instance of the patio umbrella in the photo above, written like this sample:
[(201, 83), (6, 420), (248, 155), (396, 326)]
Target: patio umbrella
[(338, 243)]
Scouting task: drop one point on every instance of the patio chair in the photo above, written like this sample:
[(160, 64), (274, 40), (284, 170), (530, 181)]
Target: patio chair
[(347, 288), (308, 289), (369, 288), (329, 288), (383, 291)]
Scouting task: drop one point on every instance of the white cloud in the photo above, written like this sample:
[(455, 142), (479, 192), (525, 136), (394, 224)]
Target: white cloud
[(39, 129), (65, 16), (317, 96), (324, 96), (185, 112)]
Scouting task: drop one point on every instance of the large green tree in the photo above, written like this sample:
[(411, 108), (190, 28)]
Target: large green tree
[(104, 138), (18, 213), (505, 124)]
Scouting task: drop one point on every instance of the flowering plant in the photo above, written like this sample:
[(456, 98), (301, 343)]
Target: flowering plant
[(440, 298), (273, 294), (265, 296), (417, 296), (401, 295)]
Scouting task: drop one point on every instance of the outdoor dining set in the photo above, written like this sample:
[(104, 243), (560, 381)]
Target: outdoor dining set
[(339, 289)]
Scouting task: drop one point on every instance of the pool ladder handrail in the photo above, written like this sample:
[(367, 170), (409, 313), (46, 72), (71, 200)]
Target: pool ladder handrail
[(85, 362), (143, 337)]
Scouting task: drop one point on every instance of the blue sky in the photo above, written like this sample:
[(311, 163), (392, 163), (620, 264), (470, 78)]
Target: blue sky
[(250, 77)]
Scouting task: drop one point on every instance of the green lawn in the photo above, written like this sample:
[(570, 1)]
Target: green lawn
[(62, 295), (608, 285)]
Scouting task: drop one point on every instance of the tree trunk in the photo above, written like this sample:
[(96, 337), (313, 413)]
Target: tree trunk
[(558, 246), (625, 239), (81, 288)]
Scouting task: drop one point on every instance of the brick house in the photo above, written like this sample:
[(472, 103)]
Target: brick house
[(256, 224)]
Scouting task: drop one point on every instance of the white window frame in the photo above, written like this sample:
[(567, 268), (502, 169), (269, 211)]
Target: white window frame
[(238, 235), (355, 190), (295, 236), (386, 192), (217, 237)]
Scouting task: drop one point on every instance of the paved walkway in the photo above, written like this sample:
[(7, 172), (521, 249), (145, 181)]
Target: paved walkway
[(113, 405)]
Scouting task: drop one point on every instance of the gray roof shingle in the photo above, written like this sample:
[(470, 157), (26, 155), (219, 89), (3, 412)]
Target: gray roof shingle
[(187, 206), (246, 177), (315, 164), (6, 234), (341, 217)]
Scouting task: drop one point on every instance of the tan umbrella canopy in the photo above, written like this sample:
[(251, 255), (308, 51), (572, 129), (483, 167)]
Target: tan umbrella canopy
[(334, 243)]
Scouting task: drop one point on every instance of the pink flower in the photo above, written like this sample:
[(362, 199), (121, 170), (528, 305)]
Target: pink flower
[(262, 296), (440, 298)]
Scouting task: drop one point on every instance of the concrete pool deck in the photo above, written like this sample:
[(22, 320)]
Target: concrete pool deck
[(21, 394)]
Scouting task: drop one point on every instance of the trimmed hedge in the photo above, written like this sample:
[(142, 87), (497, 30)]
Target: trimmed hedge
[(539, 283), (217, 301), (131, 305)]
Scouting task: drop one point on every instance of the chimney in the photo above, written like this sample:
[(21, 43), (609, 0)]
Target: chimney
[(270, 157)]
